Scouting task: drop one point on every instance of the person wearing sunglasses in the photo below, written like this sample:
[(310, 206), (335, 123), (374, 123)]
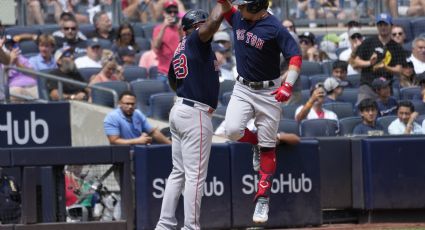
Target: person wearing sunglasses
[(398, 34), (355, 39), (166, 36), (70, 37)]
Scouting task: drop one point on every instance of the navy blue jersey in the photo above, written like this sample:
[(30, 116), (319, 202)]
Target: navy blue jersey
[(258, 47), (196, 70)]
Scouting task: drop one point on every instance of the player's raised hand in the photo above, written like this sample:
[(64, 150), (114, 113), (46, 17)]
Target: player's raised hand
[(283, 93)]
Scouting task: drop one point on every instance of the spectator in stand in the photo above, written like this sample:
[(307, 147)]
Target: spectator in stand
[(418, 54), (44, 59), (334, 89), (387, 105), (70, 31), (126, 56), (125, 38), (127, 126), (166, 37), (405, 123), (398, 34), (111, 71), (356, 39), (93, 55), (339, 72), (223, 38), (416, 8), (103, 25), (290, 26), (19, 83), (307, 42), (312, 109), (65, 16), (408, 75), (148, 59), (378, 57), (40, 12), (368, 111), (220, 53), (330, 49), (66, 68), (345, 37)]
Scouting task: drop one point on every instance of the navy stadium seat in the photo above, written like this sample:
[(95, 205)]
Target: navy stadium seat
[(418, 26), (354, 79), (289, 126), (386, 121), (47, 28), (419, 106), (420, 119), (87, 73), (318, 127), (106, 98), (347, 124), (143, 89), (153, 72), (407, 27), (87, 29), (160, 105), (28, 46), (310, 68), (408, 93), (288, 111), (314, 79), (305, 82), (148, 30), (350, 95), (305, 95), (143, 43), (105, 43), (341, 109), (327, 67), (132, 73), (15, 30)]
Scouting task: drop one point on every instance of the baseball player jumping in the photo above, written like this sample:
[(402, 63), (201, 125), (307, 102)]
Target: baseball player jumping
[(259, 39), (193, 74)]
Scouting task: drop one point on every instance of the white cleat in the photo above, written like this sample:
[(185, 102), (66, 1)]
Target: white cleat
[(261, 212), (256, 158)]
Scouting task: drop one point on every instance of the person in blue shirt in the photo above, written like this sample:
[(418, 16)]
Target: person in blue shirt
[(387, 105), (44, 59), (127, 126), (369, 111)]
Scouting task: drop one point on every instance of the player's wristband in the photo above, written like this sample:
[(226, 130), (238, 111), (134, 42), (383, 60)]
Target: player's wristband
[(292, 77)]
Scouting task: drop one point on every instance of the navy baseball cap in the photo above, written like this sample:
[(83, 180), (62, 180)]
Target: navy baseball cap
[(384, 17), (309, 36), (126, 51), (380, 83), (93, 42)]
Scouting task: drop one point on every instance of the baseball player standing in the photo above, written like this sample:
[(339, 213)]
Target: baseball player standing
[(194, 75), (259, 40)]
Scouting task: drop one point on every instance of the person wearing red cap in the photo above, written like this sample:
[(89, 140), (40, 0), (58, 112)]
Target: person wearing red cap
[(166, 36)]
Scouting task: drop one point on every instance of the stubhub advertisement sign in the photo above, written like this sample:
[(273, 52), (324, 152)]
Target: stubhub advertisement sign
[(35, 125), (295, 191)]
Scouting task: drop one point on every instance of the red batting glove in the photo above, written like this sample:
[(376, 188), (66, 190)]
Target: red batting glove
[(283, 93)]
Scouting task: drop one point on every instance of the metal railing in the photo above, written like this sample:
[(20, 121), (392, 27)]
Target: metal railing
[(47, 76)]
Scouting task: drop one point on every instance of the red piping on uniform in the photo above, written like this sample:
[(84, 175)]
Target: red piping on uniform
[(199, 165), (229, 14)]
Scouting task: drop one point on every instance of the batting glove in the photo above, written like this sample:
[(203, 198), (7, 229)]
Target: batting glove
[(283, 93)]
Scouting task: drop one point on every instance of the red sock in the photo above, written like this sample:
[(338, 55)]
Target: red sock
[(249, 137), (267, 169)]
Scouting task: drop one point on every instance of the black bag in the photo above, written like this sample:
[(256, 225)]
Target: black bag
[(10, 200)]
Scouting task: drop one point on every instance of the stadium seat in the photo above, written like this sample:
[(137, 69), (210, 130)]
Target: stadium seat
[(354, 79), (350, 95), (28, 47), (225, 98), (327, 67), (418, 26), (47, 28), (396, 93), (288, 111), (305, 82), (408, 93), (148, 30), (143, 43), (386, 121), (143, 89), (29, 55), (342, 109), (311, 68), (225, 86), (105, 43), (318, 128), (87, 73), (153, 72), (15, 30), (419, 106), (289, 126), (305, 95), (407, 27), (105, 98), (160, 105), (316, 78), (420, 119), (87, 29), (138, 30), (132, 73), (347, 124)]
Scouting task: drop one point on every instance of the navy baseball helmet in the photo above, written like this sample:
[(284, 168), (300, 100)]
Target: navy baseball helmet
[(192, 18), (253, 6)]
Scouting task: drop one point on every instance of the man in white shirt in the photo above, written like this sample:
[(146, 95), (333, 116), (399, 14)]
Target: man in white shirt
[(405, 123), (418, 54), (355, 38), (93, 56), (312, 109)]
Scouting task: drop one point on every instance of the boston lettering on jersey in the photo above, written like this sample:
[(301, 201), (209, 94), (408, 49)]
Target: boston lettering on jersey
[(196, 70), (258, 47)]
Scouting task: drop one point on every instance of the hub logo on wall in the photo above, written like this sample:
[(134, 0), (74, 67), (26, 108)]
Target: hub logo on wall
[(213, 187), (282, 183), (33, 125)]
